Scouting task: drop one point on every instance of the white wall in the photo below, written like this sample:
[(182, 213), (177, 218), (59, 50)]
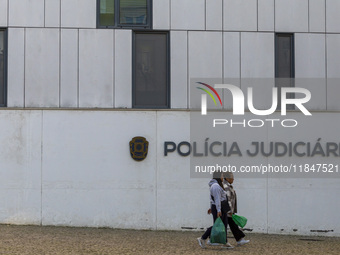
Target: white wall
[(74, 168), (67, 168)]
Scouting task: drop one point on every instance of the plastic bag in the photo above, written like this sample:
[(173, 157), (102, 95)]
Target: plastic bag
[(239, 220), (218, 234)]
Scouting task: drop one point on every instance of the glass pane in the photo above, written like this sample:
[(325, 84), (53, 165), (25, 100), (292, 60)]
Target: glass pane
[(284, 57), (133, 12), (107, 13), (2, 67), (151, 70), (284, 65)]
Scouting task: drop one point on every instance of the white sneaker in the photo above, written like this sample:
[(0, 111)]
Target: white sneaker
[(201, 242), (227, 246), (242, 242)]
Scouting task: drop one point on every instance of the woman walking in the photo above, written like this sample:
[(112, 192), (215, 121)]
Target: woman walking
[(232, 200), (219, 207)]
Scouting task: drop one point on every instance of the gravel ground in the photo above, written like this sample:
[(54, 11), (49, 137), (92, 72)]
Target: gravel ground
[(64, 240)]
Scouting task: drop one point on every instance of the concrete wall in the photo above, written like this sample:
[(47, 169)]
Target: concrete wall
[(74, 168)]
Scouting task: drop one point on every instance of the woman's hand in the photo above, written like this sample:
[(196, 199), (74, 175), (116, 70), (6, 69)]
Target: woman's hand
[(219, 214), (209, 211)]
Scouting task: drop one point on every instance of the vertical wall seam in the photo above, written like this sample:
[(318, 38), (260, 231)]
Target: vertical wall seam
[(223, 106), (44, 13), (114, 68), (156, 175), (169, 19), (205, 15), (257, 14), (222, 15), (41, 167), (223, 50), (308, 15), (240, 57), (59, 67), (274, 15), (188, 79), (60, 52), (7, 13), (78, 68), (24, 88), (326, 55)]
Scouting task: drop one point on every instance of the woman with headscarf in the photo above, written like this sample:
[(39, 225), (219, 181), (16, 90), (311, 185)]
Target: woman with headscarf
[(218, 205)]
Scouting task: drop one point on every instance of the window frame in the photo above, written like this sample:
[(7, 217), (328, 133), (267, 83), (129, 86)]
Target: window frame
[(117, 24), (168, 64), (5, 67), (292, 67), (292, 55)]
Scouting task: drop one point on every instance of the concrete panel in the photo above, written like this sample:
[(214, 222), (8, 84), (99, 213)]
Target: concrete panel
[(231, 64), (69, 68), (78, 13), (299, 192), (205, 61), (232, 53), (214, 15), (205, 54), (266, 15), (20, 170), (174, 184), (52, 13), (81, 172), (310, 62), (3, 13), (255, 46), (16, 67), (184, 199), (302, 214), (333, 90), (310, 59), (26, 13), (42, 68), (240, 15), (252, 203), (179, 69), (333, 55), (188, 14), (96, 48), (161, 14), (123, 69), (317, 19), (100, 207), (332, 16), (333, 75), (291, 16), (318, 128)]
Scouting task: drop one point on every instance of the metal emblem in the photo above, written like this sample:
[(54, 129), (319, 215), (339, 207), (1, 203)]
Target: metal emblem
[(139, 148)]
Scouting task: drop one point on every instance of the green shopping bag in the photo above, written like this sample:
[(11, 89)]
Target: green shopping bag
[(218, 234), (239, 220)]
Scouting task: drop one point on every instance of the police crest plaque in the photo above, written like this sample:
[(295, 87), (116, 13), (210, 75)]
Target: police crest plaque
[(139, 148)]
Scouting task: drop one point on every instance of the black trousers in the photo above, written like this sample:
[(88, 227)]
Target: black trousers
[(237, 232), (224, 219)]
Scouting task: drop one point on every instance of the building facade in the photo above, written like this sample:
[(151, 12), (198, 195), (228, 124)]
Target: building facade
[(80, 78)]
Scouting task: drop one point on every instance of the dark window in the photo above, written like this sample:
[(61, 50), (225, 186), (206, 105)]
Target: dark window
[(124, 13), (284, 64), (151, 70), (2, 67)]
